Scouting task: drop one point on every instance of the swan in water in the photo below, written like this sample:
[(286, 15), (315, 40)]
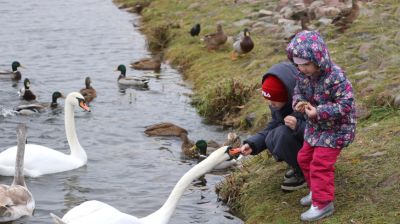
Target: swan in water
[(40, 160), (16, 200), (101, 213)]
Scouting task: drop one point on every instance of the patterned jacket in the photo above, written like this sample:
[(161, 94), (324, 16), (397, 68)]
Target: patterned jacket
[(330, 92)]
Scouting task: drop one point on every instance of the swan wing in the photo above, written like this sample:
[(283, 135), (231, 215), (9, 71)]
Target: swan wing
[(97, 212), (39, 160)]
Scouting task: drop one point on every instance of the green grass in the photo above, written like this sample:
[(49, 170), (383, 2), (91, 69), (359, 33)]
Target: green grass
[(367, 174)]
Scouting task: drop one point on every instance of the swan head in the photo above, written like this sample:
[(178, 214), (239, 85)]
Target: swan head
[(226, 152), (77, 100)]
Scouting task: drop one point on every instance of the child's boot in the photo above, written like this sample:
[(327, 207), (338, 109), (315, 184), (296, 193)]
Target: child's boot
[(315, 213), (306, 200)]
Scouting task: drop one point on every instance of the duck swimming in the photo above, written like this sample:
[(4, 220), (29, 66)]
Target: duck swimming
[(14, 74), (28, 109), (16, 200), (131, 81), (40, 160), (88, 92), (101, 213), (25, 92)]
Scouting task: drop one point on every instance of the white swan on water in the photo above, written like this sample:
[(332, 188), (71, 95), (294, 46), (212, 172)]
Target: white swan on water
[(96, 212), (16, 200), (40, 160)]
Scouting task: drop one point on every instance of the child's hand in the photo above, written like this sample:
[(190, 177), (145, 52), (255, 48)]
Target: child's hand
[(245, 149), (311, 111), (290, 121), (300, 106)]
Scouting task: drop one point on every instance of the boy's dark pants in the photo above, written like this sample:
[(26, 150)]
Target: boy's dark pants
[(284, 146)]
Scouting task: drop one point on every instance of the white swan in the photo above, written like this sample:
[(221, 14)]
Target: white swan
[(40, 160), (16, 200), (101, 213)]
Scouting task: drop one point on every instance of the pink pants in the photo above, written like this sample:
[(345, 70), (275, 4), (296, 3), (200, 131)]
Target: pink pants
[(319, 172)]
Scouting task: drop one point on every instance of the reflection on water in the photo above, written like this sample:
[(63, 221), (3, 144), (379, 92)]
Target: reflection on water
[(62, 42)]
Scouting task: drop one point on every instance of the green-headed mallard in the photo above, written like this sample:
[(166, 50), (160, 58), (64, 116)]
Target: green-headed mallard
[(215, 40), (14, 74), (243, 44), (131, 81), (32, 108), (25, 92), (347, 16), (88, 92)]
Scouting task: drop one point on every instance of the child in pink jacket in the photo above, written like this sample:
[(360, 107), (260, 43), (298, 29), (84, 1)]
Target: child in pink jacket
[(330, 111)]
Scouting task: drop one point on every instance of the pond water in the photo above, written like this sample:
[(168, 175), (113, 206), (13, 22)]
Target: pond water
[(62, 42)]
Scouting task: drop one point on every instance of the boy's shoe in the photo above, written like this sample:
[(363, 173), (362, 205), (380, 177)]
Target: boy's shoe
[(289, 174), (293, 183), (306, 200), (315, 213)]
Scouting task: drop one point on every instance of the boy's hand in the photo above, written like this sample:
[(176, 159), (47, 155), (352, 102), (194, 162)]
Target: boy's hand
[(311, 111), (245, 149), (290, 121)]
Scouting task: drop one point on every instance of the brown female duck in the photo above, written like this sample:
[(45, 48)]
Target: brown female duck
[(347, 16), (215, 40), (88, 92)]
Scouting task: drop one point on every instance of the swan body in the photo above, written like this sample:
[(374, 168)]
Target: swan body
[(16, 200), (95, 211), (14, 74), (40, 160)]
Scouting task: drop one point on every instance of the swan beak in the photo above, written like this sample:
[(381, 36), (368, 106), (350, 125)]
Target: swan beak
[(234, 153), (84, 106)]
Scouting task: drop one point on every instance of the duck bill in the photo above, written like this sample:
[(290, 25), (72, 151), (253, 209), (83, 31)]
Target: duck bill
[(21, 66), (84, 106)]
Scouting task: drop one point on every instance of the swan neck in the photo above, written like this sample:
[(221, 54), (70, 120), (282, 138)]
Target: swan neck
[(167, 210), (76, 149), (19, 161)]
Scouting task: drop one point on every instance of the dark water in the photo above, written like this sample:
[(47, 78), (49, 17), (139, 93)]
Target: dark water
[(60, 43)]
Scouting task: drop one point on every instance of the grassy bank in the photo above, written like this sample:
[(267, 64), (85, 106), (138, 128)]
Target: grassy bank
[(226, 92)]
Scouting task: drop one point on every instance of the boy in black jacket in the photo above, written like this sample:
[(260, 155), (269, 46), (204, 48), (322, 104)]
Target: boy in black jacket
[(283, 136)]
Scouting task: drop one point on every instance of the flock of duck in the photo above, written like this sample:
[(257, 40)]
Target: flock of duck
[(35, 160)]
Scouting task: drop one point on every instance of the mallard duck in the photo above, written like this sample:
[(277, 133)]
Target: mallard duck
[(131, 81), (16, 200), (243, 44), (25, 92), (100, 213), (147, 64), (195, 30), (215, 40), (88, 92), (28, 109), (347, 16), (14, 74)]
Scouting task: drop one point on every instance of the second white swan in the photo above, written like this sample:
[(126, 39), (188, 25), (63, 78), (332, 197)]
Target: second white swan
[(40, 160)]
